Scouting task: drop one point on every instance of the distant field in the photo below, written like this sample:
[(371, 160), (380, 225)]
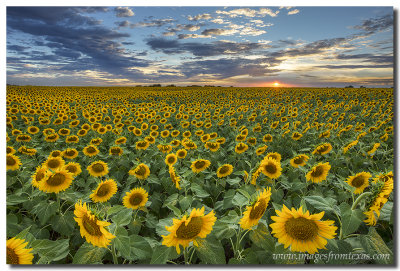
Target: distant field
[(200, 175)]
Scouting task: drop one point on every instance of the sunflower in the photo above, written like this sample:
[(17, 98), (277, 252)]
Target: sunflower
[(55, 153), (323, 149), (98, 169), (72, 139), (70, 153), (116, 151), (121, 140), (267, 138), (171, 159), (17, 253), (104, 191), (185, 230), (299, 160), (384, 188), (33, 130), (40, 174), (135, 198), (271, 168), (56, 181), (199, 165), (23, 138), (52, 137), (241, 148), (274, 155), (141, 172), (188, 144), (374, 148), (254, 212), (27, 151), (54, 163), (165, 148), (13, 162), (349, 146), (10, 150), (174, 177), (90, 150), (296, 136), (91, 227), (142, 144), (301, 231), (181, 153), (74, 168), (212, 146), (261, 150), (359, 181), (318, 173), (224, 170)]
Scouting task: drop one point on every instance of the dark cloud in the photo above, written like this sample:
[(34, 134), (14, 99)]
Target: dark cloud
[(374, 25), (379, 59), (203, 49), (150, 22), (204, 16), (16, 48), (334, 67)]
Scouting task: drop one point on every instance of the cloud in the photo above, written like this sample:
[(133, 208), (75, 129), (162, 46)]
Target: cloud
[(334, 67), (198, 17), (247, 12), (123, 12), (374, 25), (218, 32), (294, 11), (147, 23), (203, 49), (179, 27)]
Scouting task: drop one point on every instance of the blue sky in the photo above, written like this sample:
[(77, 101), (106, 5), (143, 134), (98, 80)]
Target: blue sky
[(239, 46)]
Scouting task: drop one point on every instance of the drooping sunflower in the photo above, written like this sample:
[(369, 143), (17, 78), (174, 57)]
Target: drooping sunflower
[(299, 160), (382, 191), (301, 231), (174, 177), (70, 153), (40, 174), (90, 150), (322, 149), (91, 227), (13, 162), (104, 191), (171, 159), (74, 168), (374, 148), (349, 146), (318, 173), (17, 253), (54, 163), (185, 230), (56, 181), (199, 165), (224, 170), (98, 169), (141, 172), (255, 211), (135, 198), (359, 181), (241, 148), (271, 168)]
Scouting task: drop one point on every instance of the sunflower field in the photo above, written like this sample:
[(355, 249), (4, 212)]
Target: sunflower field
[(207, 175)]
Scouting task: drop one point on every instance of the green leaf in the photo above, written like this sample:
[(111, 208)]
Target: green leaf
[(262, 238), (123, 217), (44, 210), (233, 181), (210, 251), (223, 230), (115, 209), (16, 199), (162, 254), (186, 202), (50, 251), (64, 224), (198, 191), (351, 219), (122, 241), (373, 244), (140, 248), (162, 223), (240, 200), (386, 211), (89, 254), (277, 196), (176, 211), (231, 218), (320, 203)]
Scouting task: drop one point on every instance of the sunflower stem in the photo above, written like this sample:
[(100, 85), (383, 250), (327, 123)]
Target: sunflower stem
[(185, 255), (114, 254), (363, 195)]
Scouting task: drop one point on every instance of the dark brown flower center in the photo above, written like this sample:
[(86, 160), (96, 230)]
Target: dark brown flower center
[(53, 163), (141, 171), (91, 150), (103, 190), (191, 230), (135, 199), (270, 168), (301, 228), (56, 179), (258, 209), (98, 168), (358, 181), (115, 150), (199, 164), (12, 257), (318, 171), (39, 176), (224, 170), (11, 161), (70, 153), (71, 168), (91, 226), (171, 160)]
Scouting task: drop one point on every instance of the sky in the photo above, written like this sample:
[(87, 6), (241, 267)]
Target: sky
[(226, 46)]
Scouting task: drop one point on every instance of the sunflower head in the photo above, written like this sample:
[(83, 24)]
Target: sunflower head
[(56, 181), (318, 173), (188, 229), (241, 148), (271, 168), (98, 169), (141, 172), (136, 198), (104, 191), (54, 163), (70, 153), (73, 168), (17, 253), (301, 231), (274, 155), (40, 174), (181, 153), (13, 162), (199, 165), (116, 151), (254, 212), (174, 177), (224, 170), (171, 159), (359, 181), (91, 227), (299, 160), (90, 150)]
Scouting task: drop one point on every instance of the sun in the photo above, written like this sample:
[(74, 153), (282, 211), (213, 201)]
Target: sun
[(276, 84)]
